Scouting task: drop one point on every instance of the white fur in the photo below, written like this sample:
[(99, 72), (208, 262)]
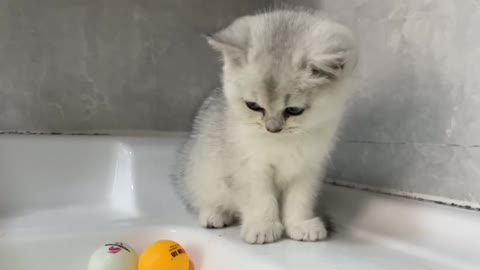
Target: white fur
[(232, 166)]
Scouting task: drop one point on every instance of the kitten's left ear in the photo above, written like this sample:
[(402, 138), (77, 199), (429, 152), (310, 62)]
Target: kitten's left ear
[(232, 42)]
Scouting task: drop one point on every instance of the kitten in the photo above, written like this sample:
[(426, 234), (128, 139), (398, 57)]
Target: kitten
[(259, 145)]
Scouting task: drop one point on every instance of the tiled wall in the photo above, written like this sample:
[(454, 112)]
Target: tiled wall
[(108, 64)]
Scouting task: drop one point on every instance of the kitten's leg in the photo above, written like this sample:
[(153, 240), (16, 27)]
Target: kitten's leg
[(298, 209), (215, 208), (210, 196), (215, 217), (259, 209)]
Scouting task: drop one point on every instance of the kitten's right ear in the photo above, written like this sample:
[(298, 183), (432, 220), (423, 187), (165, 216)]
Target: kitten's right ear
[(232, 42)]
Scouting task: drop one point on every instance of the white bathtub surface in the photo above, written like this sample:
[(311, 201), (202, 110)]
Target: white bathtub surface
[(62, 196)]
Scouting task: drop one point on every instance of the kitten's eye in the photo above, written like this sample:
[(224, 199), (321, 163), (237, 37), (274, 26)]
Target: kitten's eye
[(318, 73), (254, 106), (294, 111)]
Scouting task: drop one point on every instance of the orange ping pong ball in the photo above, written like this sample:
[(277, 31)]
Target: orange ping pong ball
[(165, 255)]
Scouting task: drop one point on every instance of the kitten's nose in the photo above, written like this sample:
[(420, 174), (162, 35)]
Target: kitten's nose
[(274, 129), (273, 125)]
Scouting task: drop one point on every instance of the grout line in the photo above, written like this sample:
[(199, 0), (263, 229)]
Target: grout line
[(408, 143), (53, 133), (150, 132), (103, 132), (409, 195)]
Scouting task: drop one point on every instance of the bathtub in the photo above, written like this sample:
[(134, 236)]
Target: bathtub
[(63, 196)]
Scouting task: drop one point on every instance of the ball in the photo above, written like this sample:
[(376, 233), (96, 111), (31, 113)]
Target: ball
[(114, 256), (165, 255)]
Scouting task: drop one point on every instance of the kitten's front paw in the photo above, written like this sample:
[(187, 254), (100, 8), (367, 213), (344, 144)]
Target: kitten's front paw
[(261, 232), (308, 230), (214, 219)]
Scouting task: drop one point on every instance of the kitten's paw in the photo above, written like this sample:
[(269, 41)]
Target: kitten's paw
[(214, 219), (261, 232), (308, 230)]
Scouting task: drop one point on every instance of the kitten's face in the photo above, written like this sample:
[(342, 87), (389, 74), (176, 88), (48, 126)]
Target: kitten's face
[(283, 71), (281, 98)]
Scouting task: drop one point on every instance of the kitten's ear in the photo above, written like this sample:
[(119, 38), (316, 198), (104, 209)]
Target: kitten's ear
[(232, 53), (333, 65), (232, 42)]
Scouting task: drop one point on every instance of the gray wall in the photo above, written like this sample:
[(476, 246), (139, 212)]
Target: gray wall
[(108, 64), (414, 122), (116, 64)]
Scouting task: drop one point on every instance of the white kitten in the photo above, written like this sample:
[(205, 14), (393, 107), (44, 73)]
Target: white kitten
[(258, 147)]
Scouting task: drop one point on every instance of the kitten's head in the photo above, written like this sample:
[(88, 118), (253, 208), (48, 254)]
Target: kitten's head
[(284, 71)]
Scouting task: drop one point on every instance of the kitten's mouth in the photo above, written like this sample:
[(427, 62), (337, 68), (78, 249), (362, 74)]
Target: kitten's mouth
[(274, 131), (280, 133)]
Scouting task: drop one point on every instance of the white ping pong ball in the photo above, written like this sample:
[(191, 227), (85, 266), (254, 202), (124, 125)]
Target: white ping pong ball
[(114, 256)]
